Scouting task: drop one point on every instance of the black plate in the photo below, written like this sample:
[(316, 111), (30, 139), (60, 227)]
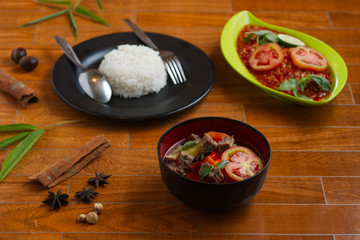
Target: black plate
[(197, 66)]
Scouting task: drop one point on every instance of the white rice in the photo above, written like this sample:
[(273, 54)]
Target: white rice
[(134, 71)]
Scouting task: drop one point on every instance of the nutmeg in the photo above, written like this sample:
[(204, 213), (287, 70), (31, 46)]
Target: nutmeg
[(91, 217)]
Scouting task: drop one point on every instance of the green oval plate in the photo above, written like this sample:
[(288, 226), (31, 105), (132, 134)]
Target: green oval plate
[(230, 34)]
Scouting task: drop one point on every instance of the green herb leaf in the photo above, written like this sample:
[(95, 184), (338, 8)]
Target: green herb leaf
[(222, 164), (73, 24), (189, 144), (65, 3), (91, 15), (6, 142), (303, 84), (205, 171), (321, 81), (303, 97), (248, 37), (271, 37), (261, 33), (289, 85), (45, 18), (99, 4), (16, 127), (19, 151), (263, 41)]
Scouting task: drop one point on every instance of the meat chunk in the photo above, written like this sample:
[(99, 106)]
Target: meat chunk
[(193, 137), (184, 163), (225, 143), (215, 176), (208, 143)]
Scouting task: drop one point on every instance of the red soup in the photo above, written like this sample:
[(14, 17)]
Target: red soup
[(214, 158)]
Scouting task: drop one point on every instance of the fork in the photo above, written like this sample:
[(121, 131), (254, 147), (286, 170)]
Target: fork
[(172, 63)]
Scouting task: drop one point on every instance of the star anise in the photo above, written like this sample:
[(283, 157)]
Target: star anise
[(56, 200), (86, 195), (99, 179)]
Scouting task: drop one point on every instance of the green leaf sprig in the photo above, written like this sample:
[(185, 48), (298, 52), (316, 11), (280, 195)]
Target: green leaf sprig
[(293, 85), (208, 169), (262, 37), (189, 144), (30, 136), (71, 8)]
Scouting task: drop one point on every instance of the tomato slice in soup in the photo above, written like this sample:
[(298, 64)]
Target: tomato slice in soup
[(266, 57), (309, 59), (243, 164)]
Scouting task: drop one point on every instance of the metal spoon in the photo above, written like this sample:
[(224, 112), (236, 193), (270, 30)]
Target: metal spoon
[(94, 84)]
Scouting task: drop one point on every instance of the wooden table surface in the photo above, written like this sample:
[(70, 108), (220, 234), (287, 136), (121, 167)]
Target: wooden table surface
[(312, 190)]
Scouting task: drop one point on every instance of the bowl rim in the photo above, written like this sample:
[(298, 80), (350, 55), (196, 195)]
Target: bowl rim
[(228, 47), (214, 118)]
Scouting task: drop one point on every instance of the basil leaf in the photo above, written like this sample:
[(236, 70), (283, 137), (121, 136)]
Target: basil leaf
[(222, 164), (65, 3), (303, 96), (19, 151), (271, 37), (261, 33), (205, 171), (321, 81), (189, 144), (263, 41), (16, 127), (45, 18), (303, 84), (91, 15), (248, 37), (6, 142), (289, 85), (73, 24)]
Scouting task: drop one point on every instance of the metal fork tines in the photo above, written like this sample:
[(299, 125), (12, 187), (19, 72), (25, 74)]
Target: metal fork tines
[(172, 63)]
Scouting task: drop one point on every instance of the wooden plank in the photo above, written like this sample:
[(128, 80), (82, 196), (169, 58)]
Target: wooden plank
[(31, 236), (344, 20), (291, 190), (218, 19), (9, 34), (311, 138), (342, 190), (20, 189), (306, 5), (44, 52), (46, 93), (19, 4), (295, 219), (123, 162), (41, 73), (160, 236), (7, 113), (353, 73), (347, 237), (278, 115), (36, 217), (356, 92), (312, 163), (162, 5), (134, 189)]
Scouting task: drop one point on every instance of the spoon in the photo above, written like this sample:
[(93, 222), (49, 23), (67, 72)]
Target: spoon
[(94, 84)]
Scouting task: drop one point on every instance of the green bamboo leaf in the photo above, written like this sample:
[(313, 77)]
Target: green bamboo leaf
[(6, 142), (65, 3), (73, 24), (19, 151), (16, 127), (100, 5), (60, 123), (45, 18), (91, 15)]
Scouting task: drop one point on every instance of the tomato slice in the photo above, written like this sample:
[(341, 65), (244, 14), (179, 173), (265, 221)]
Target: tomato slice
[(266, 57), (217, 136), (308, 58), (243, 164)]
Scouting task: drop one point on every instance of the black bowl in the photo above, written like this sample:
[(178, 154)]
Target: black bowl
[(214, 196)]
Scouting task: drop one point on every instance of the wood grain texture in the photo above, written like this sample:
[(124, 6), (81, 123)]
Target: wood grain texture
[(299, 219), (342, 190), (153, 236), (31, 236), (36, 217), (356, 92)]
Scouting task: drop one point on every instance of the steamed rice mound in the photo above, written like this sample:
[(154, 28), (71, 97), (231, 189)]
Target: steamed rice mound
[(134, 71)]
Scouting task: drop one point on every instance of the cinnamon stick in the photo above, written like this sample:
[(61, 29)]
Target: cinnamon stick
[(22, 93), (71, 164)]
